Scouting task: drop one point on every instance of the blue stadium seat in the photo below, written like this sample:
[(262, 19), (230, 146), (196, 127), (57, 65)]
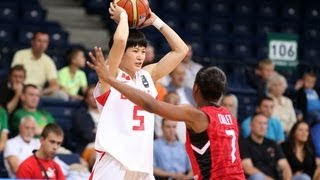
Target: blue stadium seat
[(262, 51), (291, 11), (171, 6), (69, 158), (7, 33), (312, 32), (196, 7), (244, 8), (289, 28), (92, 78), (242, 28), (220, 8), (59, 38), (218, 49), (59, 60), (33, 14), (198, 47), (267, 9), (263, 28), (173, 21), (25, 33), (313, 13), (8, 12), (194, 26), (218, 27), (243, 50), (6, 49), (311, 54)]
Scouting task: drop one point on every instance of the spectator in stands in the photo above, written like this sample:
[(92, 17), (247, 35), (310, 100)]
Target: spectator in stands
[(29, 100), (20, 147), (299, 152), (149, 55), (307, 99), (11, 89), (258, 79), (175, 164), (230, 101), (261, 157), (172, 98), (191, 68), (177, 84), (41, 165), (283, 108), (72, 79), (3, 128), (40, 68), (274, 130), (84, 125)]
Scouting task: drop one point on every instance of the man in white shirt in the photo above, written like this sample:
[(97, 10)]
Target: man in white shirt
[(20, 147)]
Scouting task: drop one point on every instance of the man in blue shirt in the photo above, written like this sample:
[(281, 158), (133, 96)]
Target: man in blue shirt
[(170, 157), (275, 130)]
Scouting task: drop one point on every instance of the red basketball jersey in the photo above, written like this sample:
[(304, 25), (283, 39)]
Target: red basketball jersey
[(214, 153)]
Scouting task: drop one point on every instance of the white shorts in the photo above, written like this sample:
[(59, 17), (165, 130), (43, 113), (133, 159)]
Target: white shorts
[(107, 167)]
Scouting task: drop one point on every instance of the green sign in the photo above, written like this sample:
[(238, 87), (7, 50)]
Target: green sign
[(283, 49)]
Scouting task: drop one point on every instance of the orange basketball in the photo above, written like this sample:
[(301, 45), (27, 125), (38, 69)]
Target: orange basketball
[(137, 10)]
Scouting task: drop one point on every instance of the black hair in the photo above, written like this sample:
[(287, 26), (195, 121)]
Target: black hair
[(52, 128), (211, 82), (307, 148), (25, 87), (136, 38), (263, 99), (38, 32), (18, 67), (71, 53)]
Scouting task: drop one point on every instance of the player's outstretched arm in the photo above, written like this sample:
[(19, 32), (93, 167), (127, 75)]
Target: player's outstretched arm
[(170, 61), (120, 37)]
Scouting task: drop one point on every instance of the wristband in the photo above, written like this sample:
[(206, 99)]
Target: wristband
[(158, 23), (123, 15)]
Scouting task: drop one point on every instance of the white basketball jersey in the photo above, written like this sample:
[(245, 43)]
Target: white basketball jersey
[(125, 130)]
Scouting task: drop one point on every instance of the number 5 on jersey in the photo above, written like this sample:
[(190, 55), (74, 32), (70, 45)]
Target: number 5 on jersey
[(136, 117)]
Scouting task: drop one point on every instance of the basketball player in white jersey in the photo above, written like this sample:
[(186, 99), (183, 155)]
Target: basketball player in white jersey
[(124, 136)]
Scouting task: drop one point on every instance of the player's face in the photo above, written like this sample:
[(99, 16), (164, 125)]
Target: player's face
[(31, 97), (51, 144), (302, 132), (169, 129), (309, 82), (266, 108), (27, 130), (133, 59), (259, 125)]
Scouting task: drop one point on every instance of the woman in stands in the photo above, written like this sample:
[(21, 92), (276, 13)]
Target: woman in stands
[(299, 152)]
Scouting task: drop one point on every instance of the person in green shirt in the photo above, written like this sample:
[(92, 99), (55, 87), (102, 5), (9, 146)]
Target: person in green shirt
[(71, 78), (29, 100), (3, 128)]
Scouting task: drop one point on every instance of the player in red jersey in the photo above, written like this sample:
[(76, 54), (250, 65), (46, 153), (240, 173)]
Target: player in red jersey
[(212, 131)]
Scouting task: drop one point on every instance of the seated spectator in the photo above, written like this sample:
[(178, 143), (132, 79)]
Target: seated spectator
[(191, 68), (261, 157), (29, 101), (177, 85), (41, 165), (20, 147), (40, 68), (72, 79), (307, 99), (172, 98), (3, 128), (258, 79), (84, 123), (230, 101), (11, 89), (175, 164), (274, 130), (283, 108), (299, 152)]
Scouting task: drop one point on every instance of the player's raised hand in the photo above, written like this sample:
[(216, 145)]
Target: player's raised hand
[(98, 64), (152, 17), (115, 11)]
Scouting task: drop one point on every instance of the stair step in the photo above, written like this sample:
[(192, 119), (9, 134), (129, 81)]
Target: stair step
[(90, 37), (62, 3)]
